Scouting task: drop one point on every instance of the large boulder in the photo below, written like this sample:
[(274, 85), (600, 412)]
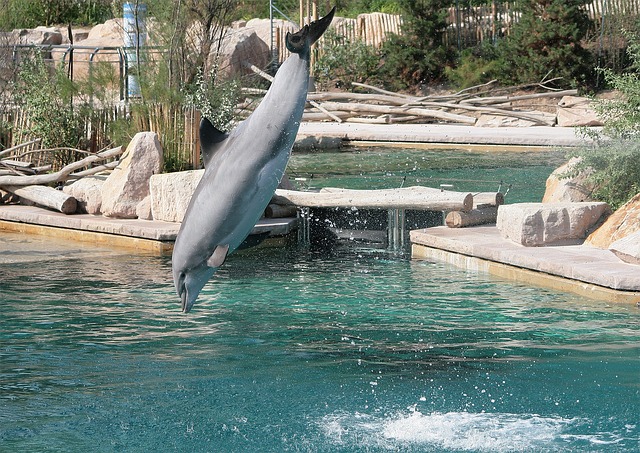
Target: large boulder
[(538, 224), (561, 188), (262, 27), (241, 47), (575, 111), (108, 34), (628, 248), (171, 193), (622, 223), (128, 184), (88, 192), (43, 36)]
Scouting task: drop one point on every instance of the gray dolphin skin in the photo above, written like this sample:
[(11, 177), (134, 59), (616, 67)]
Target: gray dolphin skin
[(242, 171)]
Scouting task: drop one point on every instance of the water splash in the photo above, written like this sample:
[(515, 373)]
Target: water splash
[(458, 431)]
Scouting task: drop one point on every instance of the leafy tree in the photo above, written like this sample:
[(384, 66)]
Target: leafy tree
[(546, 41), (32, 13), (419, 55)]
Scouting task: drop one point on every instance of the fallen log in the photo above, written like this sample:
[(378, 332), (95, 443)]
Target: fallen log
[(387, 109), (482, 216), (315, 116), (46, 196), (62, 174), (487, 199), (94, 170), (11, 150), (277, 211), (509, 98), (419, 198)]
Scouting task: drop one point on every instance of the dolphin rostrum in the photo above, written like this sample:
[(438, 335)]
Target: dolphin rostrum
[(242, 171)]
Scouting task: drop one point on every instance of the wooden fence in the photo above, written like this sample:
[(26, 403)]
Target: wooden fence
[(177, 128), (469, 24), (371, 28)]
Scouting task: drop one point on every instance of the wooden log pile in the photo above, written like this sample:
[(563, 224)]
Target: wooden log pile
[(485, 210), (464, 107), (21, 178)]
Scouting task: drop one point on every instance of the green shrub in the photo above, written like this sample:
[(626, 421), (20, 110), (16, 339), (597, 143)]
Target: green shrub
[(474, 67), (32, 13), (420, 54), (616, 159), (344, 61), (46, 96), (622, 115), (546, 42), (215, 99), (616, 170)]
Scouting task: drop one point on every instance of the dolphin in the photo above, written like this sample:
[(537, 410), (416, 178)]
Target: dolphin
[(242, 171)]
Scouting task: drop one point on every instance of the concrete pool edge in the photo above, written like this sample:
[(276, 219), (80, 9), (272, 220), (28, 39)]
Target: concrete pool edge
[(586, 271), (151, 236), (447, 134)]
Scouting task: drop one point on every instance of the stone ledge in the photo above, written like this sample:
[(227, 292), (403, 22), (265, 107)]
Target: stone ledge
[(543, 224), (577, 263), (151, 230)]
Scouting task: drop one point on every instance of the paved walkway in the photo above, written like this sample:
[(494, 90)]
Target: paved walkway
[(583, 269), (445, 133)]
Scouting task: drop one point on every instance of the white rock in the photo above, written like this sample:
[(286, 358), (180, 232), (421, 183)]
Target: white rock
[(628, 248), (88, 192), (240, 47), (143, 209), (575, 111), (262, 27), (171, 193), (537, 224), (128, 184), (572, 189)]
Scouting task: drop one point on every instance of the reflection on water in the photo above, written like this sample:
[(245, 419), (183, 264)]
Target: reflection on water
[(291, 350)]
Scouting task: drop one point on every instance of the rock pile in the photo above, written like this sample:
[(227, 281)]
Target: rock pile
[(123, 194)]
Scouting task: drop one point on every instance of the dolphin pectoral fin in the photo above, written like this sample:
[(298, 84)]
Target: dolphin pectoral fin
[(218, 256), (211, 140)]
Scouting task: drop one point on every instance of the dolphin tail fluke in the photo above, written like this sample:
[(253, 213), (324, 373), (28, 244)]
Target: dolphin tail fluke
[(317, 28), (309, 34)]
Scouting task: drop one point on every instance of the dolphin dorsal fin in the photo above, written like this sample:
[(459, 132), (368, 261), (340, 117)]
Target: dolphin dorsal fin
[(211, 140), (218, 256)]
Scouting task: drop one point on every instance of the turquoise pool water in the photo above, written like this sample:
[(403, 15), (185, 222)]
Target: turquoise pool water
[(349, 350), (352, 350), (524, 173)]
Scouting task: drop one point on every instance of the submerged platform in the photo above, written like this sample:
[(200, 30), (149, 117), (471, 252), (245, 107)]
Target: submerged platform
[(585, 270), (145, 235)]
